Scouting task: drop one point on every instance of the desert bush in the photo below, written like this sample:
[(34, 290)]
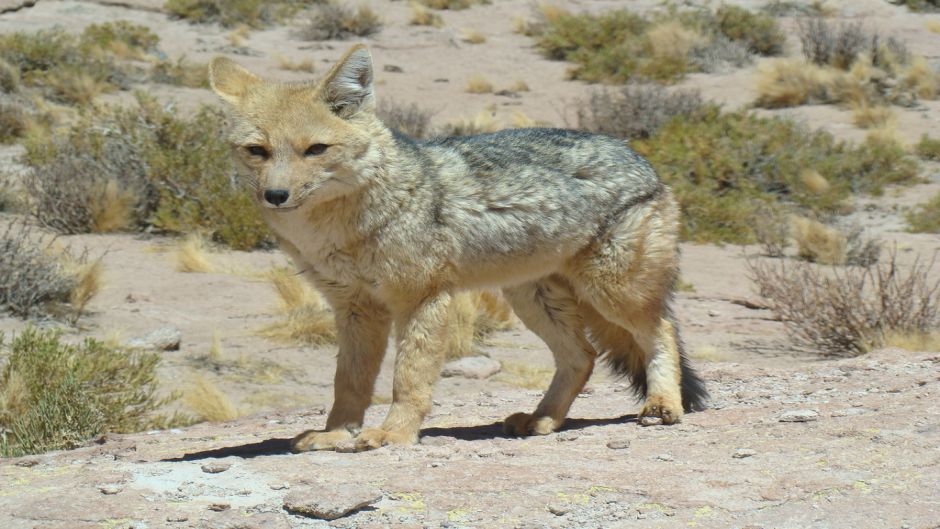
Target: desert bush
[(180, 73), (55, 395), (411, 119), (928, 148), (478, 84), (819, 243), (13, 120), (334, 20), (35, 277), (789, 8), (925, 218), (724, 167), (9, 78), (620, 45), (919, 5), (840, 45), (635, 110), (172, 174), (122, 38), (421, 15), (454, 5), (849, 310), (484, 122), (231, 13)]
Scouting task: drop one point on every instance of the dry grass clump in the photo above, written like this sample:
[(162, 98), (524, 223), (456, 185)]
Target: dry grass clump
[(454, 5), (410, 119), (790, 8), (849, 311), (928, 148), (478, 84), (9, 78), (791, 82), (635, 110), (57, 396), (141, 167), (484, 122), (916, 341), (919, 5), (180, 73), (620, 45), (305, 317), (208, 401), (868, 117), (234, 13), (473, 316), (38, 278), (300, 65), (14, 120), (933, 26), (472, 36), (925, 218), (519, 86), (192, 255), (819, 243), (422, 16), (524, 375), (335, 20)]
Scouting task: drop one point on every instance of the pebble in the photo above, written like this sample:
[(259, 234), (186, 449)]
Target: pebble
[(568, 435), (741, 453), (162, 339), (177, 518), (110, 488), (618, 444), (558, 509), (664, 457), (219, 507), (475, 367), (330, 502), (214, 467), (798, 416)]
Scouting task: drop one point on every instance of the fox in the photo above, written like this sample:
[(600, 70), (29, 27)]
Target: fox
[(575, 229)]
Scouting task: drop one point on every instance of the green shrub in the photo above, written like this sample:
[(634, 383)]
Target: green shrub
[(56, 396), (726, 167), (229, 13), (928, 148), (620, 45), (174, 174)]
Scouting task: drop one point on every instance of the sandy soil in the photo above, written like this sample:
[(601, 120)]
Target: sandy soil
[(869, 460)]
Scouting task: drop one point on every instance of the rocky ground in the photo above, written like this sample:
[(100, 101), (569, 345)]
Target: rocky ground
[(791, 440)]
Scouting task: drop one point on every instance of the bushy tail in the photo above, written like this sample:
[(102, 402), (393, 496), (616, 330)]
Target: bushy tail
[(694, 394)]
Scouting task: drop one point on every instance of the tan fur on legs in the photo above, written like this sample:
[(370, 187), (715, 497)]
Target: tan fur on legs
[(417, 367), (548, 307), (362, 329)]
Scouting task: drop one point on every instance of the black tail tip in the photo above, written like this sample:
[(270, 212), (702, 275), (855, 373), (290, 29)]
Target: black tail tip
[(694, 394)]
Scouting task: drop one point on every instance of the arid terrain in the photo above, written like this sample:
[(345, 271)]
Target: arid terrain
[(792, 438)]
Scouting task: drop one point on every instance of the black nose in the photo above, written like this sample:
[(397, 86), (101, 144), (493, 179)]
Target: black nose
[(276, 196)]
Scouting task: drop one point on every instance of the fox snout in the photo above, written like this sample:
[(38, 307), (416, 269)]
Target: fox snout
[(276, 197)]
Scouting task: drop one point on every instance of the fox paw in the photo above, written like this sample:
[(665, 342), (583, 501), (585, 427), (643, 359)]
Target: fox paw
[(372, 438), (319, 440), (659, 410), (524, 424)]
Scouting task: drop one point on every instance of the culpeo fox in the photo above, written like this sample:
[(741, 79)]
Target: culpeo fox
[(577, 230)]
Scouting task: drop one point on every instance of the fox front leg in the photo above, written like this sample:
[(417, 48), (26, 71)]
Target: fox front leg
[(417, 368)]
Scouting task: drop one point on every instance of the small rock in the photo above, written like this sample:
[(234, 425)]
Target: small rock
[(558, 509), (279, 486), (392, 68), (441, 80), (27, 462), (649, 420), (664, 457), (714, 313), (162, 339), (177, 518), (618, 444), (110, 488), (214, 467), (569, 435), (741, 453), (330, 503), (477, 367), (219, 507), (798, 416)]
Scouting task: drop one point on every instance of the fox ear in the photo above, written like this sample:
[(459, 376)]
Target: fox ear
[(347, 89), (229, 80)]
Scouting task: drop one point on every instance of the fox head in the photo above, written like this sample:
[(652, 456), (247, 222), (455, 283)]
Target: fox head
[(304, 142)]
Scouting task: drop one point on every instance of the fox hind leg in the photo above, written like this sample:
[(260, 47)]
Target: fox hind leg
[(549, 309)]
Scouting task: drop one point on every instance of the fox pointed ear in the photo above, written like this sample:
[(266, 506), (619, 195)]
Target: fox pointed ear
[(347, 89), (229, 80)]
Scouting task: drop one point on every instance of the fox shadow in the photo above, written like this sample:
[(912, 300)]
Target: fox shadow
[(479, 432)]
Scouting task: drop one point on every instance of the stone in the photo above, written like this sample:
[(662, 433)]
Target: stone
[(162, 339), (559, 509), (110, 488), (741, 453), (330, 502), (798, 416), (664, 457), (218, 507), (618, 444), (476, 367), (214, 467)]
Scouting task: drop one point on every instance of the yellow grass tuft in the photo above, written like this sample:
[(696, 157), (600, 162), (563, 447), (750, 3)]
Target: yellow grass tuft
[(708, 354), (921, 79), (422, 16), (815, 182), (306, 318), (473, 316), (113, 209), (886, 135), (872, 116), (519, 86), (216, 354), (88, 282), (520, 25), (302, 65), (482, 123), (670, 40), (477, 84), (524, 375), (192, 255), (791, 82), (77, 87), (933, 26), (913, 341), (551, 12), (472, 36), (237, 36), (208, 401), (817, 242)]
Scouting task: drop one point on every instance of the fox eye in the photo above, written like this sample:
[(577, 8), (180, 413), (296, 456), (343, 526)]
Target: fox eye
[(315, 149), (257, 150)]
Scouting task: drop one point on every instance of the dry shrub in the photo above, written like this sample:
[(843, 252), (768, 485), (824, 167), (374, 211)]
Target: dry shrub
[(524, 375), (671, 41), (305, 317), (9, 78), (868, 116), (477, 84), (300, 65), (790, 82), (192, 255), (760, 33), (919, 5), (208, 401), (57, 396), (635, 110), (920, 79), (87, 283), (819, 243), (815, 182), (771, 231), (720, 55), (916, 341), (472, 36), (928, 148), (473, 316), (236, 13), (334, 20), (925, 218), (840, 45), (410, 119), (519, 86), (422, 16), (14, 120), (180, 73), (454, 5), (849, 311), (484, 122), (519, 120), (789, 8)]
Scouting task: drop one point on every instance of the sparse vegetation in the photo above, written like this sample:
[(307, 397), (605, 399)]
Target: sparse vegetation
[(422, 16), (305, 317), (620, 45), (454, 5), (482, 123), (411, 119), (849, 311), (635, 111), (13, 120), (789, 8), (208, 401), (174, 174), (919, 5), (192, 255), (301, 65), (928, 148), (232, 13), (335, 20), (925, 218), (477, 84), (819, 243), (55, 395), (472, 36)]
